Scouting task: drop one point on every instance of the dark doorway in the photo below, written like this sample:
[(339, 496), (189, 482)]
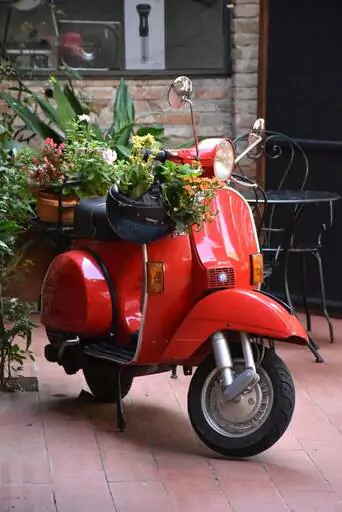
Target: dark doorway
[(304, 101)]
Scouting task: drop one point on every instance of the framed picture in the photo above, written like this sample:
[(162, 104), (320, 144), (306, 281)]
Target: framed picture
[(144, 34)]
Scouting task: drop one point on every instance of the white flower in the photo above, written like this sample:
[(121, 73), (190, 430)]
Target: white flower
[(84, 117), (109, 156)]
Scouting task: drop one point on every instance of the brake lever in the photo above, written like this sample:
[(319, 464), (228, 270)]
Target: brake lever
[(243, 181)]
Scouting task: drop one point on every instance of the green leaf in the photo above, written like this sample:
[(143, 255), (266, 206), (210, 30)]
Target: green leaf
[(30, 119), (156, 130), (123, 135), (124, 114), (48, 110), (123, 151), (75, 103), (65, 111), (97, 130)]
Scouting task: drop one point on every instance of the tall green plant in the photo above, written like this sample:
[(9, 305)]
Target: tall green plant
[(56, 116), (66, 106), (15, 315)]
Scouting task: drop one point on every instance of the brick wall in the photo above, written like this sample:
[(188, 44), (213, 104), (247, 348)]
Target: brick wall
[(212, 100), (245, 58), (223, 106)]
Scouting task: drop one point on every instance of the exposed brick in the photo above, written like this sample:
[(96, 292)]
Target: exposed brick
[(244, 93), (245, 26), (245, 39), (246, 10), (246, 80), (246, 66), (245, 52), (245, 107), (244, 120), (213, 94)]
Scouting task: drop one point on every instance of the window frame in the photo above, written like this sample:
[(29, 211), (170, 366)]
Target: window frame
[(224, 72)]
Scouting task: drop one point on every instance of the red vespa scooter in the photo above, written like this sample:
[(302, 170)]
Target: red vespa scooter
[(120, 310)]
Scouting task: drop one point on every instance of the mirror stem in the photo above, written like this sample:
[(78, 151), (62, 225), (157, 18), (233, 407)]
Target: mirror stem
[(244, 153), (187, 100)]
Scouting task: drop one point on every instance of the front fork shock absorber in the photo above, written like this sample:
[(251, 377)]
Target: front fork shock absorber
[(233, 386)]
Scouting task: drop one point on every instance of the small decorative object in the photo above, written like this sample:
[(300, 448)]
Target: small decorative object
[(143, 11)]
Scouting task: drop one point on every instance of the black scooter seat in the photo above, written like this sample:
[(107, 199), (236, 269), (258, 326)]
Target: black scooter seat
[(91, 220)]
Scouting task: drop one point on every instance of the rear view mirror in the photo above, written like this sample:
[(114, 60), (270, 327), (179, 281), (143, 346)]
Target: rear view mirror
[(257, 131), (180, 92)]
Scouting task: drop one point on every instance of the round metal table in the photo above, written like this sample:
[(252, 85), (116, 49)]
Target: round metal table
[(298, 197)]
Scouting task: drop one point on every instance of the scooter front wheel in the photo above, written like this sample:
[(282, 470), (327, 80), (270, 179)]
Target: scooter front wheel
[(253, 422), (102, 379)]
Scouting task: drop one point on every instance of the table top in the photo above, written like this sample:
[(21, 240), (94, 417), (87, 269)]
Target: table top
[(292, 196)]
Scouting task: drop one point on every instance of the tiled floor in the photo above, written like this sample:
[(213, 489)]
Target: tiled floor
[(58, 453)]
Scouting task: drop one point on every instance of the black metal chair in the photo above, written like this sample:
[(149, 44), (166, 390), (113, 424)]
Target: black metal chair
[(279, 239)]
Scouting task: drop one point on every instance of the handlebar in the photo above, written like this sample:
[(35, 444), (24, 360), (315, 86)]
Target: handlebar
[(162, 156)]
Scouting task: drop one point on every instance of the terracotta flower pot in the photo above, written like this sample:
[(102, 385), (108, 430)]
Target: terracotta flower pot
[(47, 208)]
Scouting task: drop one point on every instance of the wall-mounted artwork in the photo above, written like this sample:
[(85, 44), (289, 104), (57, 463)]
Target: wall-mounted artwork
[(144, 34)]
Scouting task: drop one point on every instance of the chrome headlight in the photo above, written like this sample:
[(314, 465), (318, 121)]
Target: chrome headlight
[(224, 160)]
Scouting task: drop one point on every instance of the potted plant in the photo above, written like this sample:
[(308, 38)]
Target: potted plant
[(151, 199), (45, 172), (187, 195), (135, 205), (60, 174)]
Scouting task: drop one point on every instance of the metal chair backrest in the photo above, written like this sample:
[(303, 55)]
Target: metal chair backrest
[(285, 155)]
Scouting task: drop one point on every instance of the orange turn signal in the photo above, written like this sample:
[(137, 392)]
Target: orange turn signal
[(257, 268), (155, 277)]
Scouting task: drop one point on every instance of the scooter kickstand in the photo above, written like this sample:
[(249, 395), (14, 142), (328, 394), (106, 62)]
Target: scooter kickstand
[(120, 416), (174, 373), (314, 349)]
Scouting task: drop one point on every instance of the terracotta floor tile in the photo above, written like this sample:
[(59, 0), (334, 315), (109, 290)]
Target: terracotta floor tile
[(27, 498), (235, 471), (198, 495), (244, 498), (159, 464), (87, 492), (141, 497), (178, 466), (314, 501), (294, 471), (74, 456)]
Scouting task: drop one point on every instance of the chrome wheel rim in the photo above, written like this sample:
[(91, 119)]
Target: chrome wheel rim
[(243, 416)]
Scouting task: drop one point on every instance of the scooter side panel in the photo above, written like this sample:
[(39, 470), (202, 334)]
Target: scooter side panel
[(235, 310), (231, 239), (163, 312), (124, 263), (75, 296)]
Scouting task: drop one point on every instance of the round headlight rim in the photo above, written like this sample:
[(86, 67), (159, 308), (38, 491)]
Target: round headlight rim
[(230, 143)]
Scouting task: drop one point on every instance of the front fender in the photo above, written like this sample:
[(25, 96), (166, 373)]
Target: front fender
[(235, 310)]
